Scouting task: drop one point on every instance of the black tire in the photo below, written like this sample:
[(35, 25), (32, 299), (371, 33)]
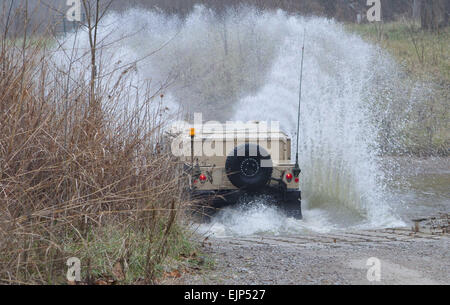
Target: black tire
[(245, 168)]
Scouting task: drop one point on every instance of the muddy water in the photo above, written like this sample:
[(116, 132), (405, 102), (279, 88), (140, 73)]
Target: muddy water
[(422, 187), (418, 188)]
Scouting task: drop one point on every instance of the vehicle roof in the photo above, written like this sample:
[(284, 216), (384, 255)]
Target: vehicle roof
[(251, 130)]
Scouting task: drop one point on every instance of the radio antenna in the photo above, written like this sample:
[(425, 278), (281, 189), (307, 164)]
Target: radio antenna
[(297, 169)]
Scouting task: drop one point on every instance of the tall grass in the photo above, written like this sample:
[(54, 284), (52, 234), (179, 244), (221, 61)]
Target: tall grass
[(421, 51), (78, 177), (424, 57)]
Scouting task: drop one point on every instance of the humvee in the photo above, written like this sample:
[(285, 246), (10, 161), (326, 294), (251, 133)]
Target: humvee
[(224, 163)]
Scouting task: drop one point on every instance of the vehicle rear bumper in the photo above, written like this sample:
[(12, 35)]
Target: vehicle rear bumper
[(289, 200)]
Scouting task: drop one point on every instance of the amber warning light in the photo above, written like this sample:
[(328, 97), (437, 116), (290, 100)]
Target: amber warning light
[(192, 132)]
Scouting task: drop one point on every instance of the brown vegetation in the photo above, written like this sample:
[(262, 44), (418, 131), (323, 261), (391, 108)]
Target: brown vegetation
[(425, 58), (77, 178), (430, 11)]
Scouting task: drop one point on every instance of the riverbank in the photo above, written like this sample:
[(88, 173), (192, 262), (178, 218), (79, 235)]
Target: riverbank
[(326, 259), (305, 257), (424, 58)]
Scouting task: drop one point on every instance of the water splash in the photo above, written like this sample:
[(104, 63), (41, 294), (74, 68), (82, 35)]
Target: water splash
[(245, 66), (256, 217), (339, 149)]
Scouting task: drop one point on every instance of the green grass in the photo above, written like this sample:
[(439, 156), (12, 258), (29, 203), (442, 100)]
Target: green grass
[(425, 57), (103, 249), (421, 52)]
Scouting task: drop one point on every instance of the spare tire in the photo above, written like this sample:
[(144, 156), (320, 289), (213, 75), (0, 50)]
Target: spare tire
[(249, 167)]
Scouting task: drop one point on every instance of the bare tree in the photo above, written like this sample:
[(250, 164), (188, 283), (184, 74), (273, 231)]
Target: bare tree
[(94, 14), (433, 14), (417, 7)]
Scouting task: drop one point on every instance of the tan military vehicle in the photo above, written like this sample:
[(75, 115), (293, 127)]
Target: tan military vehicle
[(225, 162)]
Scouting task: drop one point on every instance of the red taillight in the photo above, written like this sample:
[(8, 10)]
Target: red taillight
[(297, 180), (203, 178), (289, 177)]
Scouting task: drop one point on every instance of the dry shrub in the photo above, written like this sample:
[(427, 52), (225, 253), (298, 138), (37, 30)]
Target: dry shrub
[(73, 170)]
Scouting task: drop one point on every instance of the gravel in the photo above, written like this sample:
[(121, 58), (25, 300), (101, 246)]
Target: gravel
[(338, 258)]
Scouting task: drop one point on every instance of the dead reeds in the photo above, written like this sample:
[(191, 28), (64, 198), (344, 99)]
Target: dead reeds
[(78, 178)]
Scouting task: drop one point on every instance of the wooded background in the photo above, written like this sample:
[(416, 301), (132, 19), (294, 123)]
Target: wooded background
[(432, 14)]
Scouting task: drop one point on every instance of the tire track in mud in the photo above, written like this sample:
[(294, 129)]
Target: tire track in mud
[(432, 229), (347, 237)]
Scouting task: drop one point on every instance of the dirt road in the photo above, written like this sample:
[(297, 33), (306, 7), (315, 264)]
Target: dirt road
[(336, 258)]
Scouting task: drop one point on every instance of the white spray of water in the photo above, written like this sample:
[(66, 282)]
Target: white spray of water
[(256, 217), (338, 140), (246, 66)]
